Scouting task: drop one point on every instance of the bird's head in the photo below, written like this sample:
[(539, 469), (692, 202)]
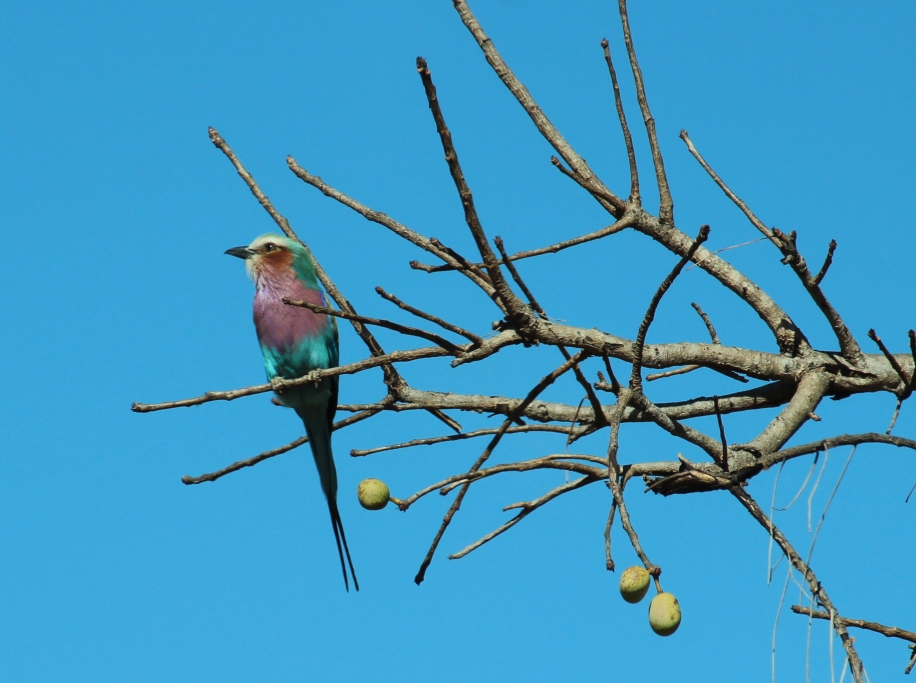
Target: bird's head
[(273, 254)]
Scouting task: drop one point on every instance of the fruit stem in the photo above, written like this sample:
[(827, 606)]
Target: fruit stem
[(658, 585)]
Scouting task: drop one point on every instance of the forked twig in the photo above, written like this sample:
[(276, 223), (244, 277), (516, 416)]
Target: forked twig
[(666, 204), (545, 382)]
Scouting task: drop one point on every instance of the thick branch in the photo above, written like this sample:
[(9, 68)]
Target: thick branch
[(811, 389)]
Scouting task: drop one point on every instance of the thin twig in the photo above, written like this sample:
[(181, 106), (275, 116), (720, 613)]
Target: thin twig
[(639, 344), (666, 204), (608, 560), (557, 429), (833, 442), (527, 509), (892, 360), (690, 368), (706, 321), (756, 222), (564, 462), (513, 271), (546, 381), (612, 229), (431, 318), (314, 376), (827, 261), (613, 204), (387, 222), (724, 461), (397, 327), (465, 264), (599, 192), (617, 490), (621, 115), (234, 467), (889, 631), (505, 293), (672, 373)]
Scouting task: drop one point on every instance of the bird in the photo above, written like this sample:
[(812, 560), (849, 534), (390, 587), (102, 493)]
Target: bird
[(295, 341)]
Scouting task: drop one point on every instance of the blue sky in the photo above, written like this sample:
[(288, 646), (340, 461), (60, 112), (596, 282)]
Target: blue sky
[(115, 211)]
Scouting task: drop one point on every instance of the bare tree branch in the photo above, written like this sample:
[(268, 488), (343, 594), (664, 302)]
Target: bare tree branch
[(616, 206), (827, 261), (250, 462), (612, 229), (666, 204), (811, 389), (387, 324), (889, 631), (512, 303), (817, 589), (639, 346), (621, 115), (556, 429), (527, 509), (474, 339), (388, 222)]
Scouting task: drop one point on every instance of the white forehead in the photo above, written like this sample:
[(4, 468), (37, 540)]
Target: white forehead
[(264, 239)]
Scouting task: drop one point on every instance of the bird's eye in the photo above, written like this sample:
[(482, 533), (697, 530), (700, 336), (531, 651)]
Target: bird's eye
[(269, 247)]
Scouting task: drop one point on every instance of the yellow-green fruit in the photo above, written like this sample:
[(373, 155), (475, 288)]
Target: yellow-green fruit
[(634, 582), (664, 614), (373, 494)]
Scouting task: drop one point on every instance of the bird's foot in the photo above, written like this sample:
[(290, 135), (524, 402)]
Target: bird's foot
[(277, 384)]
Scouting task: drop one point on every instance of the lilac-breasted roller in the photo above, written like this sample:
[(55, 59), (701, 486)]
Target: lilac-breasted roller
[(294, 341)]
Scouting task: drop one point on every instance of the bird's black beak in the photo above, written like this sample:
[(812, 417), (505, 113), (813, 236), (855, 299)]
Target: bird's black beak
[(241, 252)]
